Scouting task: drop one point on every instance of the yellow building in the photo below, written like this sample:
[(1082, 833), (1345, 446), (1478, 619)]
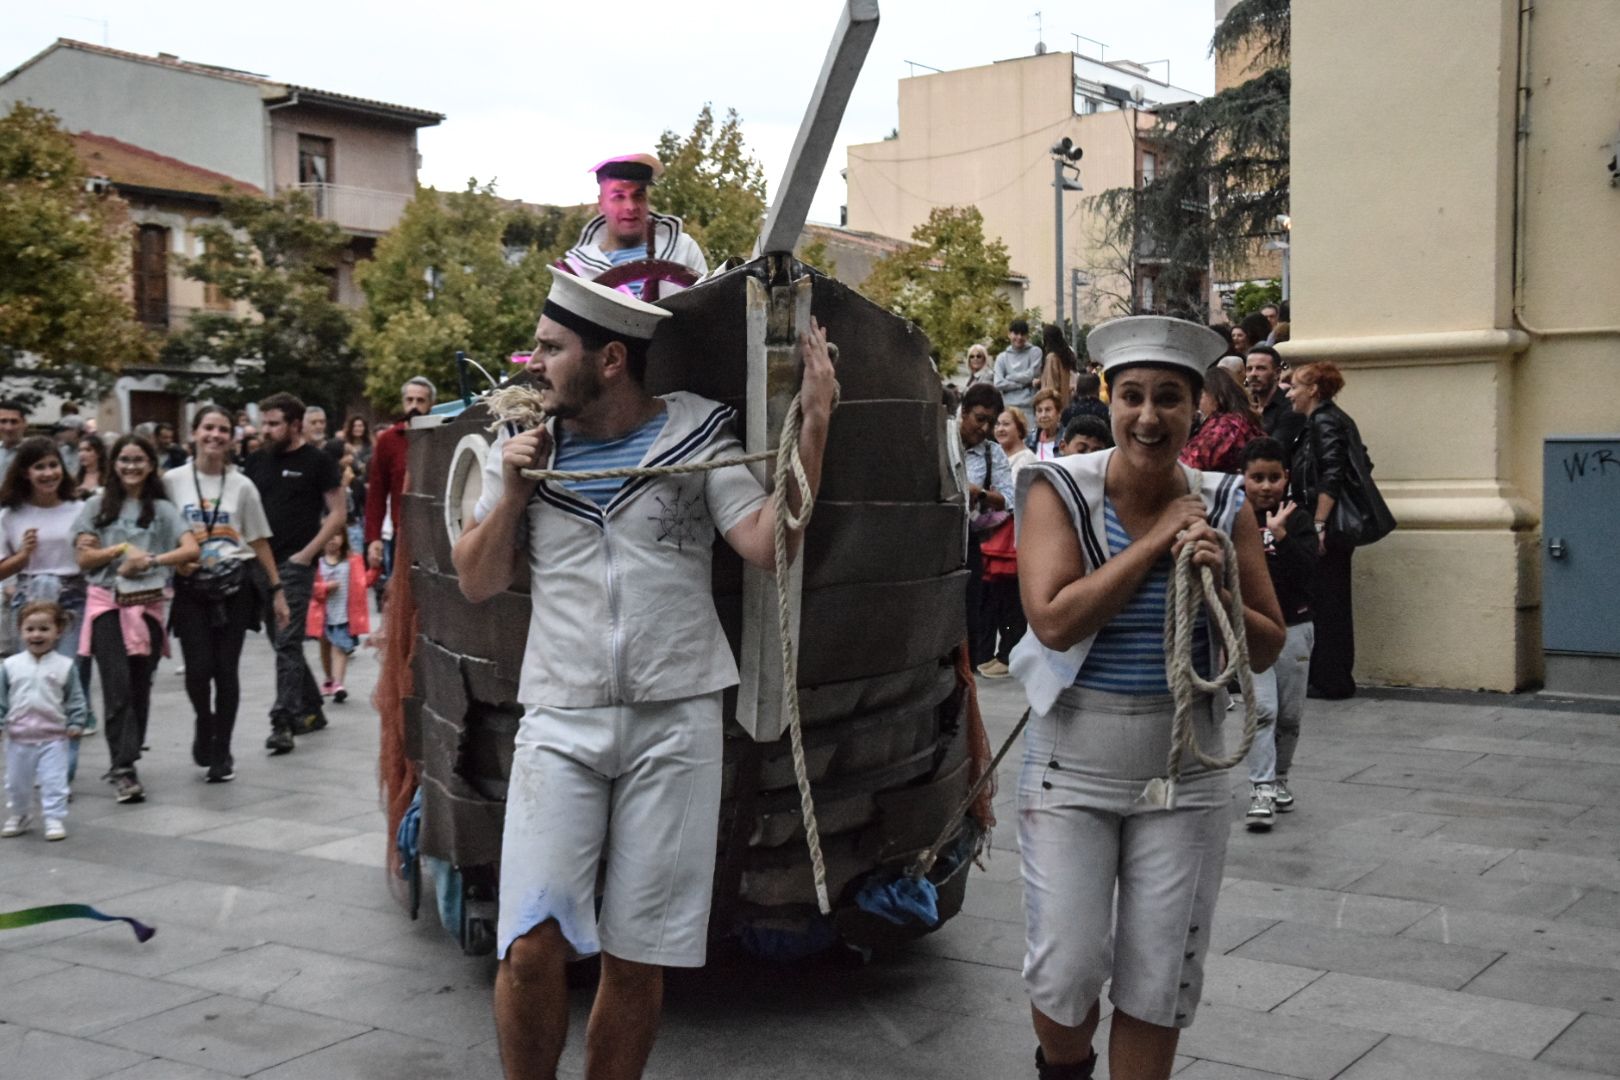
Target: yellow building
[(1456, 250), (982, 137)]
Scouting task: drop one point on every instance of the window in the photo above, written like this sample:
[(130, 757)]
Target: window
[(1150, 168), (1147, 295), (314, 160), (152, 275)]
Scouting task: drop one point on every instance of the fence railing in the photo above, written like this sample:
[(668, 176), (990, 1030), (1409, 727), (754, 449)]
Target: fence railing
[(360, 210)]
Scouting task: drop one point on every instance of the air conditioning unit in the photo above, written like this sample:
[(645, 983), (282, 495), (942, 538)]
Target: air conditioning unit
[(97, 185)]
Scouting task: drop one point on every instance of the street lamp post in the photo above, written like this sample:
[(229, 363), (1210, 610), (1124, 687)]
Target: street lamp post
[(1064, 156)]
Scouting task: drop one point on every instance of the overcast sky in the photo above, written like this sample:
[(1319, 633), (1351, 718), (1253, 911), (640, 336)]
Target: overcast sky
[(535, 93)]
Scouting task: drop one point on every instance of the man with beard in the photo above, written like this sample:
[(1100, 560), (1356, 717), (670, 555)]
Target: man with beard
[(618, 233), (385, 480), (1277, 416), (617, 765), (302, 494)]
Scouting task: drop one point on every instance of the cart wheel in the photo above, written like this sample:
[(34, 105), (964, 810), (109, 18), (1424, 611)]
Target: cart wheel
[(478, 937)]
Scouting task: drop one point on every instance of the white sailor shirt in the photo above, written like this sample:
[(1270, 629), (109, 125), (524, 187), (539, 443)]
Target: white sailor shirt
[(586, 259), (622, 605)]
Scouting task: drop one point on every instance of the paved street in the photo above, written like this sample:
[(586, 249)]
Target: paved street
[(1445, 903)]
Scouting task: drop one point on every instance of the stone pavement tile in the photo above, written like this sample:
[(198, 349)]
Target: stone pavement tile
[(1439, 856), (1593, 751), (261, 915), (16, 967), (1400, 1058), (1343, 798), (272, 834), (1231, 930), (1591, 784), (389, 1054), (158, 1069), (1602, 817), (1541, 981), (1253, 984), (356, 886), (1402, 823), (1592, 1043), (991, 993), (1003, 900), (1446, 1016), (1269, 1042), (1298, 866), (1457, 782), (427, 1005), (178, 857), (43, 1055), (1343, 748), (204, 905), (1318, 907), (1426, 963), (1215, 1070), (114, 948), (1596, 907), (977, 940), (231, 1035), (1594, 946), (156, 819), (84, 1001), (58, 878), (316, 809), (1442, 802), (1604, 873), (423, 945), (1541, 899), (1569, 838), (361, 849)]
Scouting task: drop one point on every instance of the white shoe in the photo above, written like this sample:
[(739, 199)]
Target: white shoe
[(55, 830), (15, 825), (1261, 808)]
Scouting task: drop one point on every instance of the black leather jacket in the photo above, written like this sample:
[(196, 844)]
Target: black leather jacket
[(1321, 455)]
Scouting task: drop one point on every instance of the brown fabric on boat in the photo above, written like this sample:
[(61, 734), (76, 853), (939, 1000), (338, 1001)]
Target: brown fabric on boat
[(979, 752), (396, 773)]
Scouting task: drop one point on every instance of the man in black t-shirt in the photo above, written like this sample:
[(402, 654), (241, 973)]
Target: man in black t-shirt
[(302, 493)]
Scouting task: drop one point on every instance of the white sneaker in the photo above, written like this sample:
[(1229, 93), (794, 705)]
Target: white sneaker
[(55, 830), (1262, 810), (15, 825), (1282, 796)]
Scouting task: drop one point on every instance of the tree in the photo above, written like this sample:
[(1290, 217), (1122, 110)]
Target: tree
[(815, 254), (714, 184), (1222, 179), (65, 261), (463, 270), (281, 260), (948, 282), (1251, 296)]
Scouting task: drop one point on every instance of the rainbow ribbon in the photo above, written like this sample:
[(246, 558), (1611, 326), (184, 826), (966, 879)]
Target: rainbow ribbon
[(16, 920)]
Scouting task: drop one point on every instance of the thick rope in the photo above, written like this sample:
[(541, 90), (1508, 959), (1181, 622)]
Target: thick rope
[(925, 861), (1191, 587), (788, 466)]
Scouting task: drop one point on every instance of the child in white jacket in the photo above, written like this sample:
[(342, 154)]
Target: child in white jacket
[(42, 708)]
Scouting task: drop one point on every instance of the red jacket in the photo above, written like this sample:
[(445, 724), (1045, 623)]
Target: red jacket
[(360, 579), (385, 482), (1219, 444)]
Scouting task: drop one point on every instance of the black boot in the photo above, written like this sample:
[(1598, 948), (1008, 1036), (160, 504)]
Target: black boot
[(1080, 1071)]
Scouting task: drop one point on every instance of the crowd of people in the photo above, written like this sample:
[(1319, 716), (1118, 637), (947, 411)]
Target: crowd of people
[(1172, 435), (110, 544)]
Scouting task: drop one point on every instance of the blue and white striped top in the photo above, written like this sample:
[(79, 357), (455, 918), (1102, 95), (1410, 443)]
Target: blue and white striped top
[(576, 453), (620, 256), (1127, 656)]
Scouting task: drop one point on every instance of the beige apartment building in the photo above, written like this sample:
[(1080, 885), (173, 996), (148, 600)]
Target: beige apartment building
[(1456, 213), (982, 137)]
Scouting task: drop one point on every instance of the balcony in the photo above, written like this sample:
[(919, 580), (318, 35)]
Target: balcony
[(357, 210)]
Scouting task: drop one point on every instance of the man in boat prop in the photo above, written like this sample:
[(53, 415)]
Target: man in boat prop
[(618, 755), (628, 247)]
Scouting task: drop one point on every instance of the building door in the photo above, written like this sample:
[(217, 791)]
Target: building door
[(1579, 575), (315, 169), (152, 275), (154, 407)]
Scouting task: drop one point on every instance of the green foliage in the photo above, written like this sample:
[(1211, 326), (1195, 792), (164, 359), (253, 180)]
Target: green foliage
[(1223, 173), (947, 283), (1251, 296), (278, 258), (815, 254), (65, 263), (714, 184), (462, 270)]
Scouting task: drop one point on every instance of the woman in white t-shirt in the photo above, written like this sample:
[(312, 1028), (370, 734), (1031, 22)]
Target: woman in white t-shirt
[(216, 599), (37, 562)]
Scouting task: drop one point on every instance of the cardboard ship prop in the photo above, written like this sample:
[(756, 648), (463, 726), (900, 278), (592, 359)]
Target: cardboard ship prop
[(891, 729)]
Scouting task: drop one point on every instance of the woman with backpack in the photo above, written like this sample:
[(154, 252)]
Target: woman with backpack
[(218, 599)]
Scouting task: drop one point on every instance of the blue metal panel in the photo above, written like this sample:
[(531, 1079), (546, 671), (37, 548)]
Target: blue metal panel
[(1580, 545)]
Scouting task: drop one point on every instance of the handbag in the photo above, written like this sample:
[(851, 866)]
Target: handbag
[(985, 522), (1360, 516), (999, 552)]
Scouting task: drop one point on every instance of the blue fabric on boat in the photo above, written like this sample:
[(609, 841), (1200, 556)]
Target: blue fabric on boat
[(900, 901), (785, 946)]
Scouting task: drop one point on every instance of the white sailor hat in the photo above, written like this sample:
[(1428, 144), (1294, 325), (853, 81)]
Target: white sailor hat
[(1155, 341), (641, 168), (588, 308)]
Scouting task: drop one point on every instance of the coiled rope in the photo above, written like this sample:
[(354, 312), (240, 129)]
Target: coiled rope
[(520, 404), (1191, 587)]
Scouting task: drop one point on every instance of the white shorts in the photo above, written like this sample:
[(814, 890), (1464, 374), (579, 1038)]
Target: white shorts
[(634, 790)]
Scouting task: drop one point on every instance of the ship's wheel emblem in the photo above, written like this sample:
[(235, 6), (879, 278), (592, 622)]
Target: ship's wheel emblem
[(677, 518)]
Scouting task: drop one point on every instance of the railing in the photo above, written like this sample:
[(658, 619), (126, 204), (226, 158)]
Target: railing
[(359, 210)]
